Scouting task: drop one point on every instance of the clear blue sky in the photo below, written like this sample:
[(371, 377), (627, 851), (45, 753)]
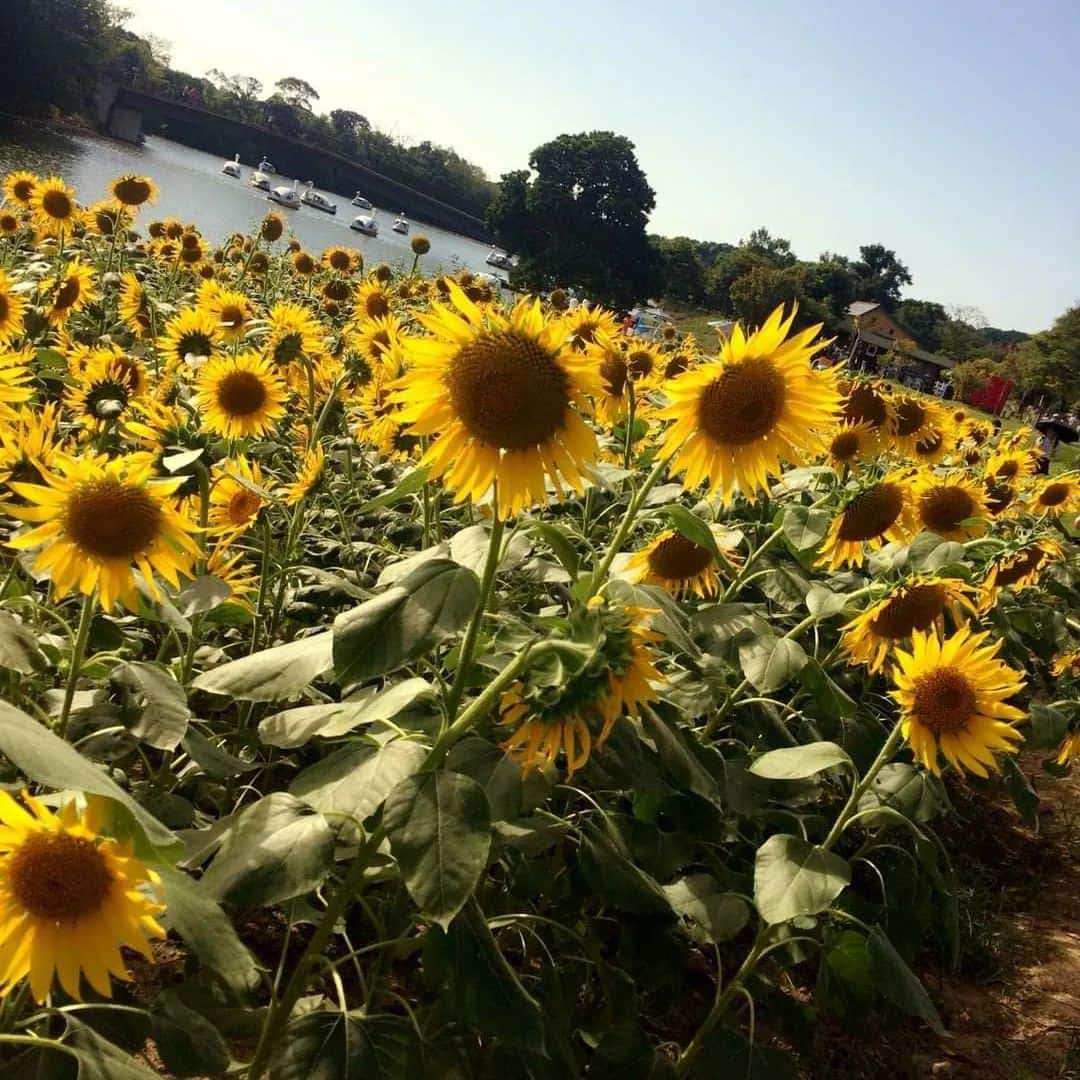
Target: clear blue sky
[(945, 129)]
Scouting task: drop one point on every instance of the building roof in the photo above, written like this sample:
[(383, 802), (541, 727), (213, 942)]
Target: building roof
[(883, 342), (862, 307)]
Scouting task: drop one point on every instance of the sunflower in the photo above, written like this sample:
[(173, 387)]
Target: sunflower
[(106, 386), (308, 473), (947, 505), (918, 604), (1069, 749), (377, 423), (500, 392), (379, 342), (19, 187), (192, 337), (582, 712), (15, 381), (133, 191), (913, 420), (235, 499), (240, 396), (585, 325), (29, 441), (850, 443), (53, 208), (303, 263), (1056, 495), (241, 577), (68, 292), (294, 332), (12, 309), (71, 899), (1066, 664), (98, 521), (874, 517), (373, 299), (676, 563), (10, 223), (1011, 465), (133, 306), (1022, 568), (342, 260), (933, 445), (620, 366), (272, 226), (868, 402), (999, 496), (951, 693), (737, 418), (106, 218), (232, 311)]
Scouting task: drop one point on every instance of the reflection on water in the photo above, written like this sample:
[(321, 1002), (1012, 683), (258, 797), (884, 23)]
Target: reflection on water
[(194, 189)]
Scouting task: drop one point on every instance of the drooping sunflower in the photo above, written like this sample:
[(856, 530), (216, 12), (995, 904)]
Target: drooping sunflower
[(235, 499), (851, 443), (739, 417), (373, 299), (581, 713), (584, 325), (948, 505), (294, 331), (308, 473), (232, 311), (952, 694), (1011, 465), (502, 394), (53, 208), (240, 396), (70, 899), (191, 337), (12, 310), (1021, 569), (98, 521), (134, 307), (106, 218), (868, 402), (1066, 664), (917, 604), (133, 191), (19, 187), (1069, 749), (877, 515), (1056, 495), (15, 381), (674, 562), (242, 578), (68, 292), (272, 226), (29, 441)]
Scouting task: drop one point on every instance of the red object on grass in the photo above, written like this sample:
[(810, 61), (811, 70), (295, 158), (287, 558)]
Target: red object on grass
[(992, 397)]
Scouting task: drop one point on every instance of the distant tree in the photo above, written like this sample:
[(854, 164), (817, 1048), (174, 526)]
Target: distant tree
[(831, 281), (684, 272), (728, 268), (345, 122), (244, 87), (881, 275), (924, 319), (298, 93), (1049, 362), (970, 376), (756, 294), (283, 117), (580, 219), (774, 248)]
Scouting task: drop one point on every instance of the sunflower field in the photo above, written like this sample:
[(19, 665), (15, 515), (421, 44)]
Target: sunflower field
[(397, 683)]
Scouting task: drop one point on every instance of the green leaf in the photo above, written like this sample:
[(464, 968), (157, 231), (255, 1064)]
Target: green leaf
[(830, 698), (899, 983), (805, 528), (823, 603), (1023, 794), (100, 1059), (19, 650), (729, 1054), (44, 757), (295, 727), (188, 1043), (680, 762), (428, 605), (785, 585), (408, 485), (277, 849), (560, 545), (273, 674), (617, 881), (848, 959), (439, 827), (1048, 727), (714, 914), (799, 762), (905, 789), (692, 527), (770, 662), (330, 1045), (199, 920), (793, 878), (355, 780), (214, 761), (727, 621), (203, 594), (164, 718), (929, 551)]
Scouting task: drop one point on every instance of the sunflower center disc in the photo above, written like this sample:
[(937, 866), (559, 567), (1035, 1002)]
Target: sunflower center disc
[(943, 508), (23, 190), (508, 390), (1054, 495), (1007, 470), (56, 204), (336, 290), (67, 294), (232, 316), (641, 362), (944, 701), (865, 404), (845, 446), (194, 344), (613, 372), (132, 191), (112, 520), (339, 260), (998, 496), (59, 877), (1023, 563), (743, 404), (243, 506), (915, 609), (241, 393), (676, 366), (676, 558), (929, 446), (871, 513), (909, 417), (106, 400), (5, 307), (377, 305)]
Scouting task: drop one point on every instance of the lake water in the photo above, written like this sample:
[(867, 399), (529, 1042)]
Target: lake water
[(193, 189)]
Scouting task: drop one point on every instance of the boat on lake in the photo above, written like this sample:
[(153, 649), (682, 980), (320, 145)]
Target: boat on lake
[(317, 200), (232, 168), (500, 259), (401, 223), (288, 197), (366, 224), (260, 178), (363, 203)]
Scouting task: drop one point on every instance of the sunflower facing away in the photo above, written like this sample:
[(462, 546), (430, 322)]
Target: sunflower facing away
[(876, 516), (29, 441), (676, 563), (918, 604), (12, 309), (240, 396), (952, 694), (308, 472), (53, 207), (949, 505), (97, 521), (582, 712), (502, 392), (133, 306), (15, 381), (1069, 749), (738, 418), (70, 899)]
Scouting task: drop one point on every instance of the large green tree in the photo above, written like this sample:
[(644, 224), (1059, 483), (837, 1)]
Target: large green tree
[(881, 275), (1050, 361), (579, 219)]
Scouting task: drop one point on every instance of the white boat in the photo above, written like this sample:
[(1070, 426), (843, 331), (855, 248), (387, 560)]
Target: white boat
[(317, 200), (266, 167), (364, 204), (232, 168), (401, 223), (500, 259), (366, 224), (288, 197), (260, 180)]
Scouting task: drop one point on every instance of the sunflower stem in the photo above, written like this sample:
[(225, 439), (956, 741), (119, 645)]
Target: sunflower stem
[(468, 647), (631, 409), (78, 651)]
